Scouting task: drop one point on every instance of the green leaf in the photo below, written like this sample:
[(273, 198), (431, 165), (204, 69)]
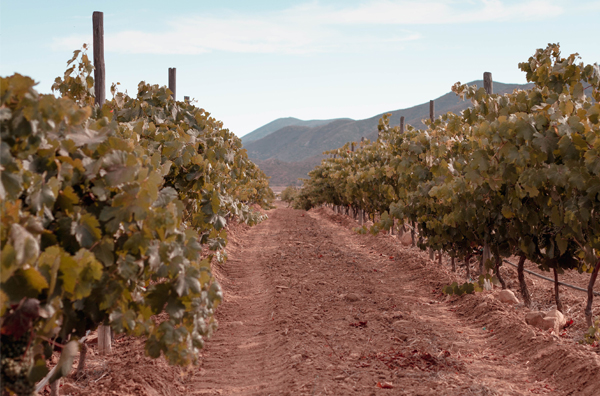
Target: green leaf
[(547, 142), (562, 244), (507, 212), (67, 198), (25, 245), (49, 264), (104, 251), (12, 185), (86, 230), (136, 244), (165, 196), (577, 91), (37, 371), (69, 273), (220, 223), (215, 202), (41, 194), (25, 283), (91, 271), (120, 168), (9, 262), (158, 296)]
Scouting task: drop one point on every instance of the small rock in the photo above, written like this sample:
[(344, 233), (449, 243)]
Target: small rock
[(354, 356), (507, 296), (546, 320), (351, 297), (534, 318), (561, 321), (339, 377)]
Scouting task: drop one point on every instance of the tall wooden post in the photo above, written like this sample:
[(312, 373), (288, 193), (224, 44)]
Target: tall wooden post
[(431, 109), (401, 131), (431, 117), (99, 70), (104, 339), (488, 84), (172, 81)]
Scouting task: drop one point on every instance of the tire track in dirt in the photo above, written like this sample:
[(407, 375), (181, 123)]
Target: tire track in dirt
[(242, 357), (311, 309)]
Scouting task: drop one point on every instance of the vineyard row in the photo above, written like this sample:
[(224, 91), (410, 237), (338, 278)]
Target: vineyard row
[(516, 174)]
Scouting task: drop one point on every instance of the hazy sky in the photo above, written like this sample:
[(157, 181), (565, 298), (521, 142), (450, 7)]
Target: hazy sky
[(250, 62)]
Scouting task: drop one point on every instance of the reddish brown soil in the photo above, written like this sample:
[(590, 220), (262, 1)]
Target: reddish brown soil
[(312, 308)]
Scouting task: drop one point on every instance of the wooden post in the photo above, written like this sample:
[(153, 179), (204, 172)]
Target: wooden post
[(402, 124), (590, 300), (186, 99), (352, 147), (488, 84), (99, 70), (104, 340), (431, 116), (431, 110), (172, 81)]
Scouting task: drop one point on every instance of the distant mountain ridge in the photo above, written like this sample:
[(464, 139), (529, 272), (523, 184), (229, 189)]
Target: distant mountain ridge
[(293, 143), (279, 123), (291, 151), (287, 173)]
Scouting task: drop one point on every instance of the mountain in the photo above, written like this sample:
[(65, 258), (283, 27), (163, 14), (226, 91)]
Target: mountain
[(278, 124), (294, 143), (287, 173), (291, 151)]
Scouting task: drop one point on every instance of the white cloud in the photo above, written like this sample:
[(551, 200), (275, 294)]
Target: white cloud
[(429, 12), (312, 27)]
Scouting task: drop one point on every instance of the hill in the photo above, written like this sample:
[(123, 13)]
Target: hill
[(287, 173), (293, 143), (278, 124)]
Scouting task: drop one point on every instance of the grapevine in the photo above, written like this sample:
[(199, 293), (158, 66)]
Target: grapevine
[(515, 174), (112, 215)]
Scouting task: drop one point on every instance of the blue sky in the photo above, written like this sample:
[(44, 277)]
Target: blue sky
[(250, 62)]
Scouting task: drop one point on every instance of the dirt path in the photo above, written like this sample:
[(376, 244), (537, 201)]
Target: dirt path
[(312, 308)]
